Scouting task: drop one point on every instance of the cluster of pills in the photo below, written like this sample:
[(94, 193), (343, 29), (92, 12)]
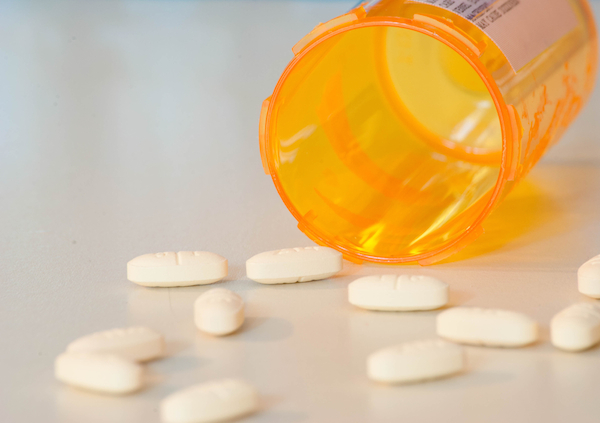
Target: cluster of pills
[(187, 268), (575, 328), (430, 359), (110, 361)]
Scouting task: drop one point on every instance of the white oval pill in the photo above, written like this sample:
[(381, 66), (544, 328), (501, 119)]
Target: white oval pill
[(588, 278), (294, 265), (105, 373), (219, 312), (398, 293), (416, 361), (488, 327), (184, 268), (135, 343), (576, 328), (210, 402)]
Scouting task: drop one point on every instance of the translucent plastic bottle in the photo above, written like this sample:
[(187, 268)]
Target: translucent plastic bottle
[(398, 127)]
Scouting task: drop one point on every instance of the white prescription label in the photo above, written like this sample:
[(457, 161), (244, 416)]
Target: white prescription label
[(522, 29)]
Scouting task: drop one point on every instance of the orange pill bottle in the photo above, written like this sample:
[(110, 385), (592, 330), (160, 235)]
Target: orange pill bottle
[(399, 127)]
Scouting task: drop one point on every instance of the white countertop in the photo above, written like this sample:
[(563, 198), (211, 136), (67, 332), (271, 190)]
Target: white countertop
[(129, 127)]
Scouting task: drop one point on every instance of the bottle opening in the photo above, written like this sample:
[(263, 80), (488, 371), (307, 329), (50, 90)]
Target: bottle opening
[(384, 142)]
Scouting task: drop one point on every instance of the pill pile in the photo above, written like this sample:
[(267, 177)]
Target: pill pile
[(111, 362), (107, 362)]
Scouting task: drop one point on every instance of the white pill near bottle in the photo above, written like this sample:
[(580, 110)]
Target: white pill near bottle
[(398, 293), (170, 269), (290, 265)]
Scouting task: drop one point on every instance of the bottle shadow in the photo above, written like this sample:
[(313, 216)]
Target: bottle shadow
[(527, 215)]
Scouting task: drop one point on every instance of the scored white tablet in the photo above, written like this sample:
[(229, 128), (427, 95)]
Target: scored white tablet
[(398, 293), (576, 328), (134, 343), (219, 312), (291, 265), (416, 361), (216, 401), (171, 269), (588, 278), (490, 327), (103, 373)]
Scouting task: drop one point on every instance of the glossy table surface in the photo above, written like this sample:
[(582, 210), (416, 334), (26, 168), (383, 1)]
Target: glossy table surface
[(129, 127)]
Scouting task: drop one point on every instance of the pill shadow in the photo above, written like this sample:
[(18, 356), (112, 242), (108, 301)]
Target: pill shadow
[(394, 313), (177, 364), (152, 378), (174, 347), (385, 399), (265, 329), (269, 401), (323, 284), (473, 376), (516, 222), (267, 413), (544, 335), (277, 416), (469, 377), (458, 298), (333, 282), (75, 405), (351, 269), (235, 272)]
